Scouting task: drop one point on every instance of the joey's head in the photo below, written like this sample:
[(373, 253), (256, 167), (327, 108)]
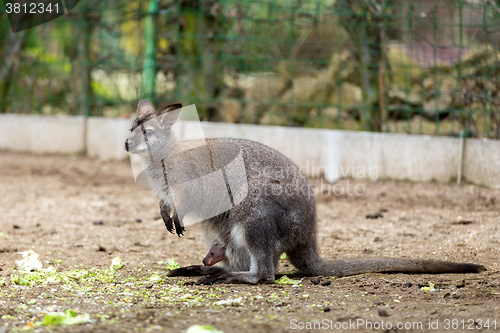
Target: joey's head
[(151, 131), (217, 253)]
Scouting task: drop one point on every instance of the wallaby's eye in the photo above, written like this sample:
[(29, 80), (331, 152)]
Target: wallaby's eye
[(211, 253), (130, 129), (149, 132)]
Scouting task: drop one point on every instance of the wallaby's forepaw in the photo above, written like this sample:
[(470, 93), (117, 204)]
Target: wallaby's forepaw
[(165, 215), (180, 231), (179, 228), (171, 222)]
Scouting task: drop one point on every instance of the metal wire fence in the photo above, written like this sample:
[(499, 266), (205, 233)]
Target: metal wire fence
[(422, 67)]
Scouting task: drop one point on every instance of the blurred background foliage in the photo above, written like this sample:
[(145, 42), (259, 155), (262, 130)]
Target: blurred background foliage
[(401, 66)]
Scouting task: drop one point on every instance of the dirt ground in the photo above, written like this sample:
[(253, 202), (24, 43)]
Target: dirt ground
[(78, 214)]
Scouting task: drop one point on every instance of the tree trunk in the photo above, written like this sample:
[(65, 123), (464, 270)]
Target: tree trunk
[(149, 67), (200, 71), (81, 83), (10, 57), (364, 22)]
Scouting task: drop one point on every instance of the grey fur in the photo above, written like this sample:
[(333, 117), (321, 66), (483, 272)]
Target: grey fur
[(278, 215)]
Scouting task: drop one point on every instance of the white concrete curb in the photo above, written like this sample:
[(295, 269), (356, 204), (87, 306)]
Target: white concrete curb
[(332, 153)]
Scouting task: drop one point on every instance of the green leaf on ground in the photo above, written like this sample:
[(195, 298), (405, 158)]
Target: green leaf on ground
[(203, 329), (172, 264), (116, 263), (69, 317)]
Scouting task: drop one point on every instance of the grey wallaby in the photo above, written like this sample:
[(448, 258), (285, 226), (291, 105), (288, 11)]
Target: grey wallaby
[(278, 215)]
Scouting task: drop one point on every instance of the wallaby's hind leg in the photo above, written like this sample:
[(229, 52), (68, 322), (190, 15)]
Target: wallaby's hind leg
[(305, 258), (236, 277), (261, 254), (261, 270), (196, 270)]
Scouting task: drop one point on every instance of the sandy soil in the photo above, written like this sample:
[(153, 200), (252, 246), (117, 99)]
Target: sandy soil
[(78, 214)]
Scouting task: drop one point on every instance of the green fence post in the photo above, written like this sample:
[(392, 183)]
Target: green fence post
[(149, 66)]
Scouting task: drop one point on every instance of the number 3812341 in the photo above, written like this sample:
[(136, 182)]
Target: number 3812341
[(31, 8)]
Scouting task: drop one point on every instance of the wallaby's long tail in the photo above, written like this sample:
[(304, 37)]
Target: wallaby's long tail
[(311, 263), (380, 265)]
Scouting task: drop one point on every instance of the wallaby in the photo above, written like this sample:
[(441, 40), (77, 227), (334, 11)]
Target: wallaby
[(215, 254), (278, 215)]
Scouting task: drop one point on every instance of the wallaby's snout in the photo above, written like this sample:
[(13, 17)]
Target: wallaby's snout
[(206, 262), (135, 142)]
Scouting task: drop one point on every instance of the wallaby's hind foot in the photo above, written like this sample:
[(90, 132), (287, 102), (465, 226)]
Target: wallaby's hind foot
[(196, 270), (211, 279), (233, 277)]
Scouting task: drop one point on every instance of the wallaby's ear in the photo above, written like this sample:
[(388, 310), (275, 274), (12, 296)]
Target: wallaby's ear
[(145, 112), (169, 108), (170, 114), (144, 109)]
